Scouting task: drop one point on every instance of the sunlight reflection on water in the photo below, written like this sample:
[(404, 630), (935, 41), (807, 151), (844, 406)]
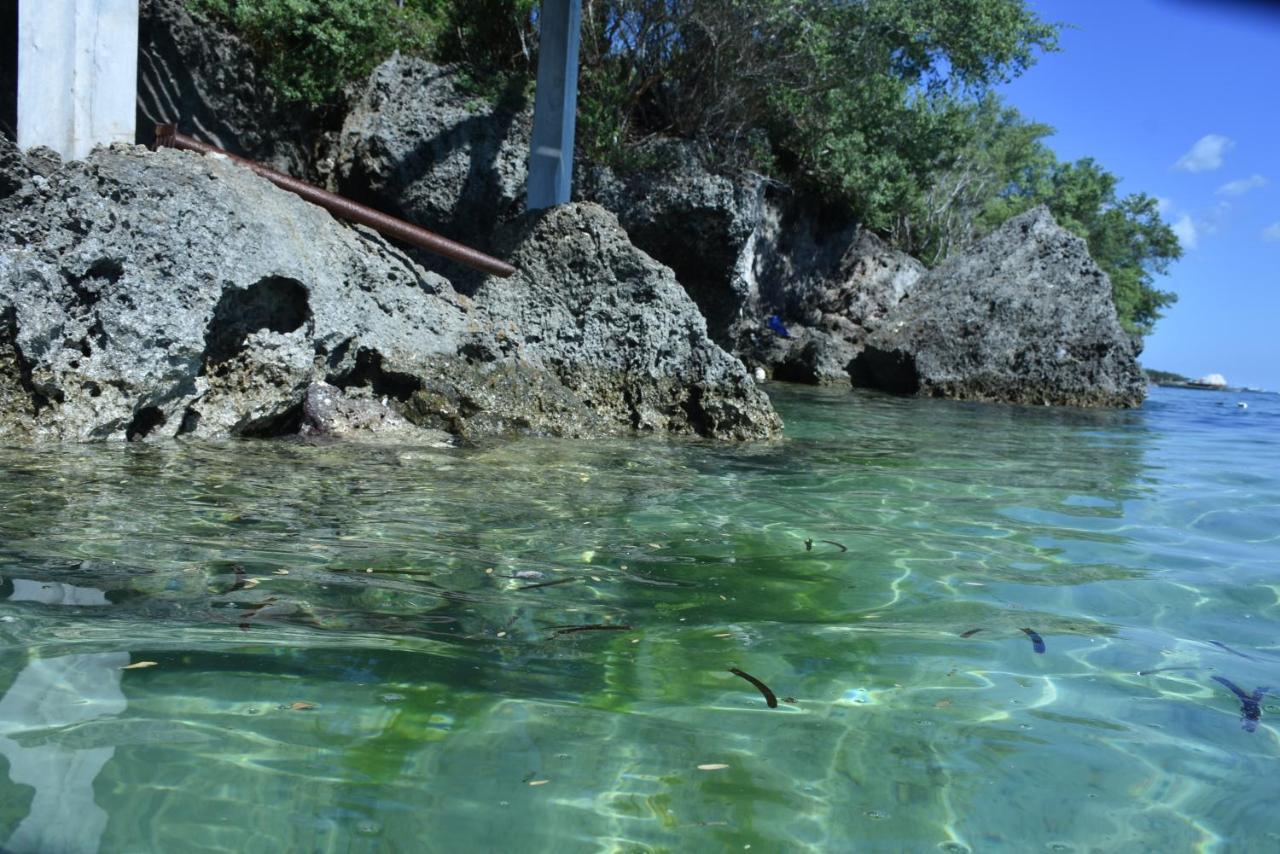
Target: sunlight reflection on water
[(274, 646)]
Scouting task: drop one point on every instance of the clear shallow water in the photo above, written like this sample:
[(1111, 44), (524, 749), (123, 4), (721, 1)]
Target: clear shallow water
[(343, 664)]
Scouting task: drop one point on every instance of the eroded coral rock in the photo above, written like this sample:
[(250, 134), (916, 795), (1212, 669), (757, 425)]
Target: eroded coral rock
[(1023, 316), (163, 294)]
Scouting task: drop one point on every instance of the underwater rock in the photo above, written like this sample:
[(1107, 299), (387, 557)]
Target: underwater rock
[(158, 294), (329, 412)]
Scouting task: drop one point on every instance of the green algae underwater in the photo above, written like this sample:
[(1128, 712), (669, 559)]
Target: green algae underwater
[(532, 646)]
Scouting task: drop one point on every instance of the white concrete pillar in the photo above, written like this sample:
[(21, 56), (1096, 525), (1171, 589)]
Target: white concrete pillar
[(555, 104), (77, 73)]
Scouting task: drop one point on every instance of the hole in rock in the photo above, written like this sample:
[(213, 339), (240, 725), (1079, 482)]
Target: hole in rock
[(888, 370), (286, 423), (144, 421), (107, 269), (190, 421), (384, 383), (275, 303)]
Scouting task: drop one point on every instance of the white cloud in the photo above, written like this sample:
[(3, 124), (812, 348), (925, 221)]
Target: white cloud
[(1205, 155), (1272, 233), (1242, 186), (1185, 229), (1163, 205)]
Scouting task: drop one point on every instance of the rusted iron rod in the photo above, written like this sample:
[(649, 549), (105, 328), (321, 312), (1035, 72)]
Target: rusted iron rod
[(167, 135)]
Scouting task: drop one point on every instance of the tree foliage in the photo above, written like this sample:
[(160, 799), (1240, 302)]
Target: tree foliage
[(312, 48), (851, 98)]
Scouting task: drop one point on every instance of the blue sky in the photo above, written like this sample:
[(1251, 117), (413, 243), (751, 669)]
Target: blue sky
[(1181, 100)]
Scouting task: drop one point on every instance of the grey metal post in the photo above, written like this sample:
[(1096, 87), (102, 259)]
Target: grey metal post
[(77, 73), (555, 104)]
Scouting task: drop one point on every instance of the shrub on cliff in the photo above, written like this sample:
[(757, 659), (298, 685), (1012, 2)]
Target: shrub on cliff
[(312, 48)]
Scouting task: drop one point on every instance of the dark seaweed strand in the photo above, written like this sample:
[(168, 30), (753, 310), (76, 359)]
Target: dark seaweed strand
[(1222, 645), (842, 548), (1037, 642), (764, 689), (970, 633), (547, 583), (1232, 687), (568, 630), (1165, 670)]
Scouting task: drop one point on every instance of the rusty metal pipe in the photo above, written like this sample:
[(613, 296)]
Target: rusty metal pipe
[(167, 135)]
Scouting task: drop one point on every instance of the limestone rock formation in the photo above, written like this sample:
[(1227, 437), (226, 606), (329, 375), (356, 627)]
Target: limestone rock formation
[(417, 144), (700, 224), (828, 308), (162, 294), (593, 308), (1023, 316)]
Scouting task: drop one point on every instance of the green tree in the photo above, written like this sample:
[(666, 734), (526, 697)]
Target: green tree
[(855, 100), (995, 149)]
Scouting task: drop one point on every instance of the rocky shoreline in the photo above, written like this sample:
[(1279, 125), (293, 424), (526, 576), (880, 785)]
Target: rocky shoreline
[(158, 294), (1024, 316)]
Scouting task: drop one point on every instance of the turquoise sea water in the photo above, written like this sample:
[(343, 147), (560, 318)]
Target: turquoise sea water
[(268, 647)]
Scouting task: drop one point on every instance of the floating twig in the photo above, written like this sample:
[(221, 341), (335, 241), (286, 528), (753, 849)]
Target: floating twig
[(554, 583), (1222, 645), (1037, 642), (1165, 670), (644, 579), (970, 633), (808, 544), (769, 697), (597, 627)]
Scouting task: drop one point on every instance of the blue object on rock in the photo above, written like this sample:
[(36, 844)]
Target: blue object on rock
[(775, 323)]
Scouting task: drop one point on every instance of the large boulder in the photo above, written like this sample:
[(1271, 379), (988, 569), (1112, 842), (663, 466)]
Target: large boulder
[(161, 294), (700, 224), (418, 143), (592, 308), (1023, 316), (202, 76)]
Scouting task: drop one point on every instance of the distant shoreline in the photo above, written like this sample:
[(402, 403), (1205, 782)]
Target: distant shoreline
[(1197, 386)]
